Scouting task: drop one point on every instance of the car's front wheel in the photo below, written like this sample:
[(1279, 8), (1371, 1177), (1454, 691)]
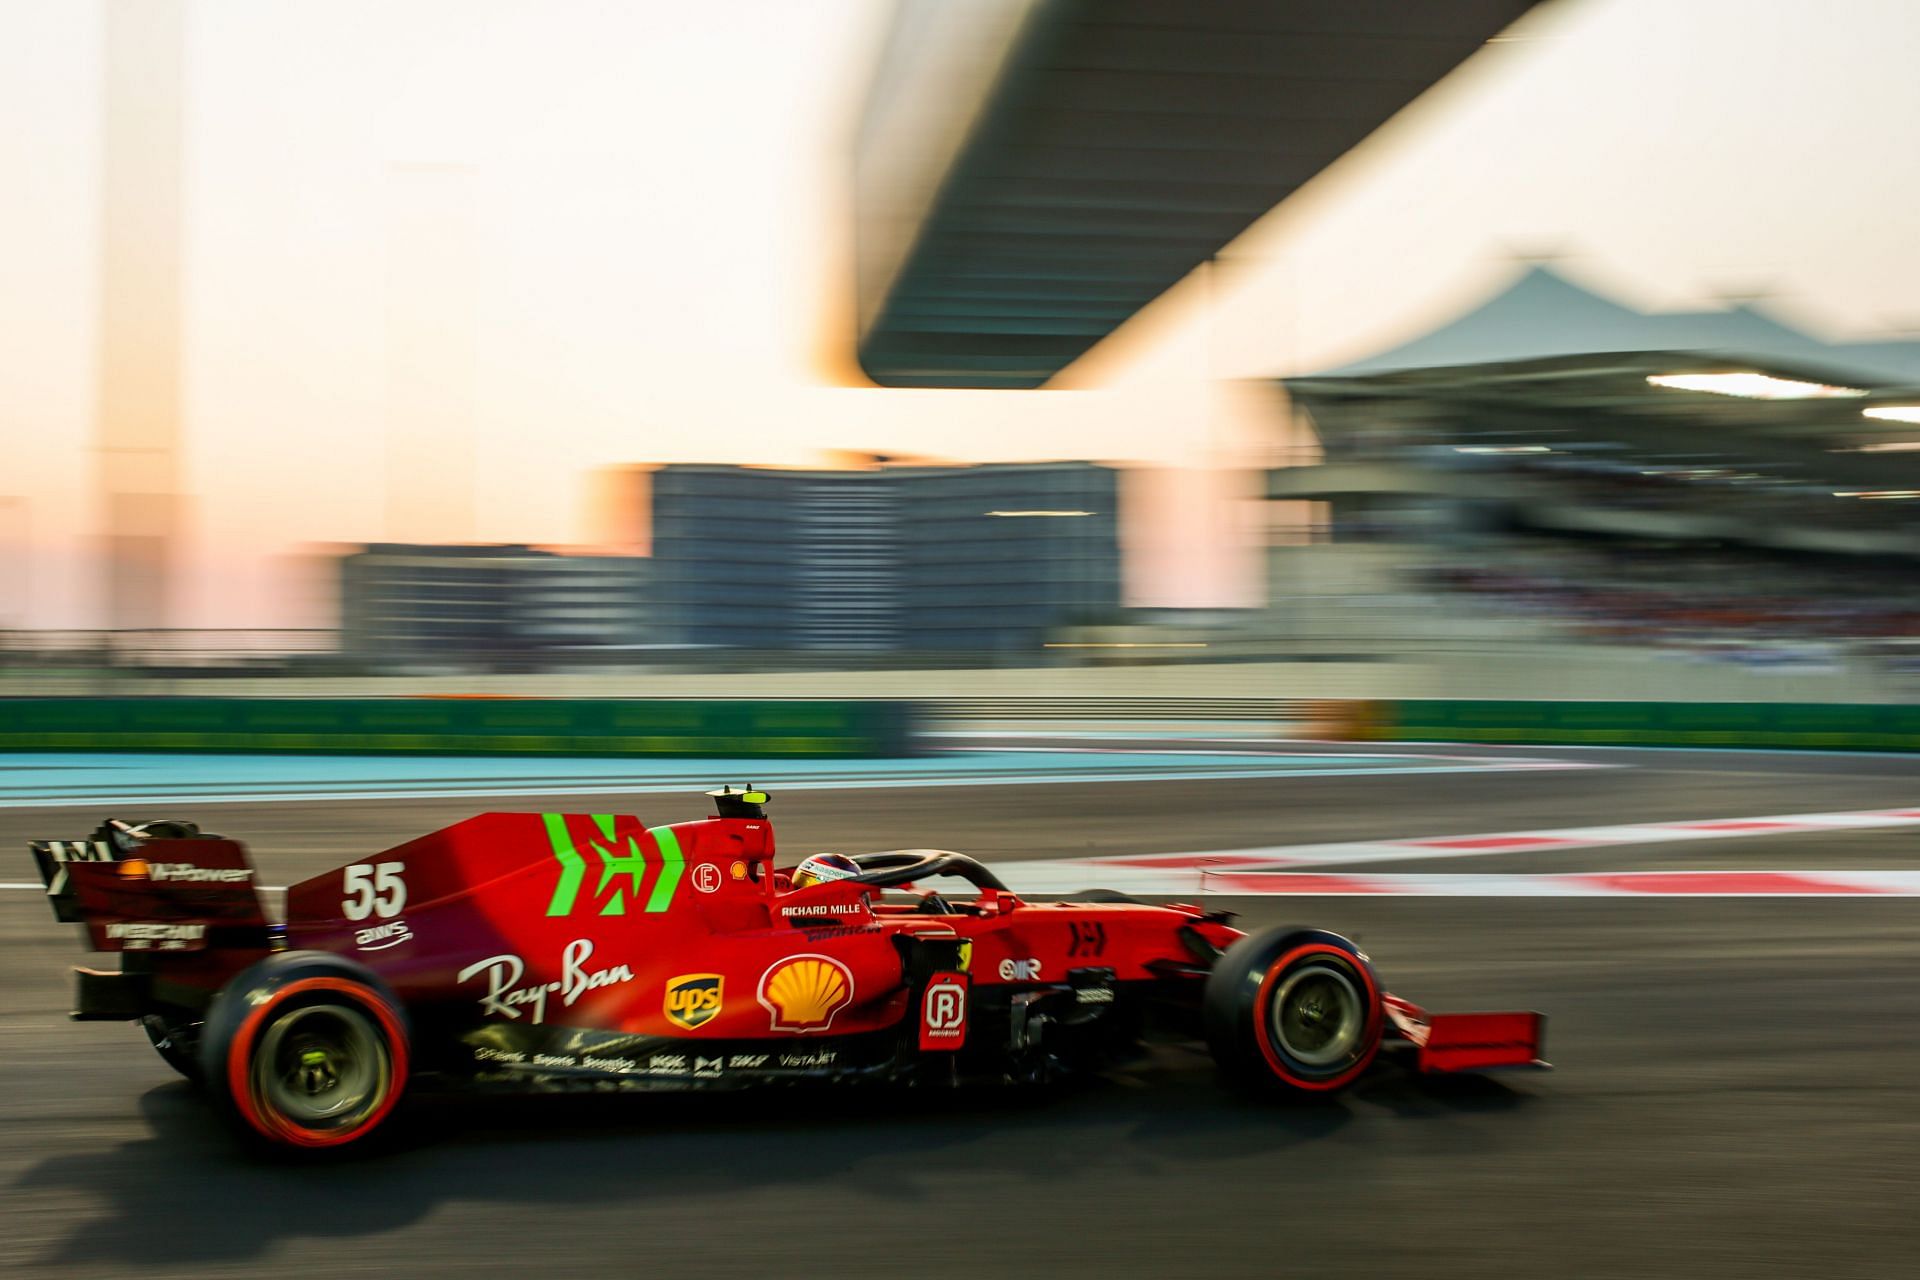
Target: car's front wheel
[(1295, 1008)]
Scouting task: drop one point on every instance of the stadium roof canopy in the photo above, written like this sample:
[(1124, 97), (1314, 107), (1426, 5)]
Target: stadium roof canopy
[(1542, 314), (1030, 173), (1548, 367)]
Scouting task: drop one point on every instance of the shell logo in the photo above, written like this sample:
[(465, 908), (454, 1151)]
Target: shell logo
[(804, 992), (134, 869)]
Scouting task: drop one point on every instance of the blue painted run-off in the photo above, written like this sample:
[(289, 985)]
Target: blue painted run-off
[(90, 779)]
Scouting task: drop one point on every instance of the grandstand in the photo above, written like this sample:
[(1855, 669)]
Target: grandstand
[(1556, 465)]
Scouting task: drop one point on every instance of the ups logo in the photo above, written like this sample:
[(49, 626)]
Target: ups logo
[(692, 999)]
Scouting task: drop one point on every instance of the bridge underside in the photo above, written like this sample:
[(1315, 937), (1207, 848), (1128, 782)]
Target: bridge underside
[(1117, 145)]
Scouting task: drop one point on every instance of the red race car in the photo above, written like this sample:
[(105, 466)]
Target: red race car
[(547, 951)]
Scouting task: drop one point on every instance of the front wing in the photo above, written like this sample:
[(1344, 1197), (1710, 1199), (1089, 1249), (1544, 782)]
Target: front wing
[(1469, 1041)]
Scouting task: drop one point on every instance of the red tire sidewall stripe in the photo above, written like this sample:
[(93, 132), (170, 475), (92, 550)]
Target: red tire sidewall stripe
[(279, 1128), (1262, 1029)]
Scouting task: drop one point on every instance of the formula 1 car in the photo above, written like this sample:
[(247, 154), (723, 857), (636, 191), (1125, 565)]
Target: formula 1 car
[(546, 951)]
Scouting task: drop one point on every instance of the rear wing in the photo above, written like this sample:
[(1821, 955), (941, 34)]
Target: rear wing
[(161, 886), (52, 857)]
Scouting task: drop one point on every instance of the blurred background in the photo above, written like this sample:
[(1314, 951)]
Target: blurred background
[(1241, 450), (1286, 349)]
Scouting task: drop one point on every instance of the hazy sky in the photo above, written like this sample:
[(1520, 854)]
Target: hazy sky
[(650, 198)]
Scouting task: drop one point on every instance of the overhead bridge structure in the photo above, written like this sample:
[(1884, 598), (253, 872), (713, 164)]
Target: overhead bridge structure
[(1030, 173)]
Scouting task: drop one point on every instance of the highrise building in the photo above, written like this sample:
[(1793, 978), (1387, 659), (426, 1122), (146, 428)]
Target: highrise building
[(431, 605), (948, 559), (138, 426)]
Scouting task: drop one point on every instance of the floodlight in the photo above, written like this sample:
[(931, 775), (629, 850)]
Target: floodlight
[(1752, 386)]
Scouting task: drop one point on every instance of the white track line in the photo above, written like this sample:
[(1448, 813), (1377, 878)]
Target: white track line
[(1492, 844), (1283, 869), (1305, 869), (1717, 883)]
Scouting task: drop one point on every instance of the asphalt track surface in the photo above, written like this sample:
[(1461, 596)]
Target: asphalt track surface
[(1737, 1088)]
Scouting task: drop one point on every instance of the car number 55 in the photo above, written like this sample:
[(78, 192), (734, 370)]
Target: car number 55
[(373, 891)]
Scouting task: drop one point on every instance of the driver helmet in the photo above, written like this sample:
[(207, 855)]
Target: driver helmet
[(824, 866)]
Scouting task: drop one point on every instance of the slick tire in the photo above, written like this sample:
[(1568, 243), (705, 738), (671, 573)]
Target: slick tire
[(176, 1041), (1293, 1010), (306, 1052)]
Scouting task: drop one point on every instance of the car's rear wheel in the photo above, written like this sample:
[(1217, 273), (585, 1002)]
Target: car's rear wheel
[(307, 1050), (1294, 1008)]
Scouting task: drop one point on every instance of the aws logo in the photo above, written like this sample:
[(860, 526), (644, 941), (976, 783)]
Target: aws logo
[(693, 998)]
